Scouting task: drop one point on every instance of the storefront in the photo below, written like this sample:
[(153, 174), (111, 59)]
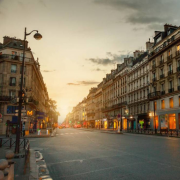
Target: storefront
[(124, 123), (91, 124), (144, 121), (168, 121), (131, 123), (104, 123), (97, 124)]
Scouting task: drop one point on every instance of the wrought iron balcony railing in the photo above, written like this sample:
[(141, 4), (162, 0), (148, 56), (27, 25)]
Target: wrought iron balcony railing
[(171, 90), (154, 95), (161, 76), (170, 72)]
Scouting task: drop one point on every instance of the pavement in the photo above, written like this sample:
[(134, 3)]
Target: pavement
[(90, 155)]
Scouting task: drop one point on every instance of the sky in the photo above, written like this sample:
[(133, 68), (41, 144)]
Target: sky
[(83, 39)]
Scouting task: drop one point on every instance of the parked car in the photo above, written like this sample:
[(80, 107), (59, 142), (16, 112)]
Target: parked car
[(78, 126), (75, 126), (67, 126)]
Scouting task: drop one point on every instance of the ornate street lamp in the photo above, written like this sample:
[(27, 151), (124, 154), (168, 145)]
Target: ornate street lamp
[(37, 36)]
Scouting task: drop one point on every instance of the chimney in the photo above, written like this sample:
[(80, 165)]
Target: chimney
[(149, 45)]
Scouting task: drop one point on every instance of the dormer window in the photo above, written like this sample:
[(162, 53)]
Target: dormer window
[(158, 39)]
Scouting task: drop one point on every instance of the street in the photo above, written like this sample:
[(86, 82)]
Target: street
[(79, 154)]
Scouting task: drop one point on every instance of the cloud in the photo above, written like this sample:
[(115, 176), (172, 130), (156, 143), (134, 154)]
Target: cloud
[(48, 71), (72, 84), (83, 83), (149, 13), (110, 60)]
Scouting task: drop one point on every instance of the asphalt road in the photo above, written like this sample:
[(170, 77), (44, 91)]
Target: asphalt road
[(77, 154)]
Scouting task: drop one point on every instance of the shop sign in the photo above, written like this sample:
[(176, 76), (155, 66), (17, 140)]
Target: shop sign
[(164, 121), (29, 113), (141, 122)]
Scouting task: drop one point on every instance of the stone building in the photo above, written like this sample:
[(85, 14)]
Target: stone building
[(164, 63), (90, 107), (36, 95), (98, 106)]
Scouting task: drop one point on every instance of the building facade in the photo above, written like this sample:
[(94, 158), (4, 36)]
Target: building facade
[(164, 63), (36, 95)]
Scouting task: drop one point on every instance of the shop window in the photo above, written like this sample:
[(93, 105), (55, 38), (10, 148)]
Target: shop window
[(162, 104), (172, 121), (171, 103), (125, 124)]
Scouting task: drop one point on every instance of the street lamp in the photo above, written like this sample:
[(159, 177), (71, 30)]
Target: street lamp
[(37, 36)]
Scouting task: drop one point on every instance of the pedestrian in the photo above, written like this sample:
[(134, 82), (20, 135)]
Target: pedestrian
[(23, 129)]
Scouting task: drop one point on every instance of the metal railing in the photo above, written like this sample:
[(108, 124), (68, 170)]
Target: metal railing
[(14, 57), (161, 76), (170, 72), (162, 132), (155, 94), (171, 90), (5, 98)]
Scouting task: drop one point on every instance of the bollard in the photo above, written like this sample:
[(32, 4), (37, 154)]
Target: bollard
[(9, 157), (3, 166)]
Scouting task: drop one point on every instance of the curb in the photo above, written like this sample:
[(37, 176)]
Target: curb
[(33, 166)]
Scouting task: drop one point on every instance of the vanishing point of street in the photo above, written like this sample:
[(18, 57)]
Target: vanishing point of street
[(80, 154)]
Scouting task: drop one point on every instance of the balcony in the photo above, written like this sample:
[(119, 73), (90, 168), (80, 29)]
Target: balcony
[(13, 71), (162, 92), (178, 69), (154, 95), (33, 101), (171, 90), (161, 76), (12, 84), (170, 72), (16, 58), (5, 98), (169, 58)]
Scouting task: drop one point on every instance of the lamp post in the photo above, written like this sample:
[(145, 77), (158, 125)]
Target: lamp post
[(37, 36)]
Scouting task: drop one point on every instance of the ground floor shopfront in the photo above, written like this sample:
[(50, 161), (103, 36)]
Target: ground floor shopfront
[(166, 120)]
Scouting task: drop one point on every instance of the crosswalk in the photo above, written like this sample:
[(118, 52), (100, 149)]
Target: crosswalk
[(62, 134)]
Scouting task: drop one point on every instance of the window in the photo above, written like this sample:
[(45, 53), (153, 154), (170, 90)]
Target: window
[(154, 88), (170, 67), (11, 109), (14, 54), (161, 71), (13, 68), (162, 58), (171, 103), (172, 121), (12, 93), (12, 81), (162, 104), (162, 87), (169, 53), (170, 84), (178, 48), (154, 63)]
